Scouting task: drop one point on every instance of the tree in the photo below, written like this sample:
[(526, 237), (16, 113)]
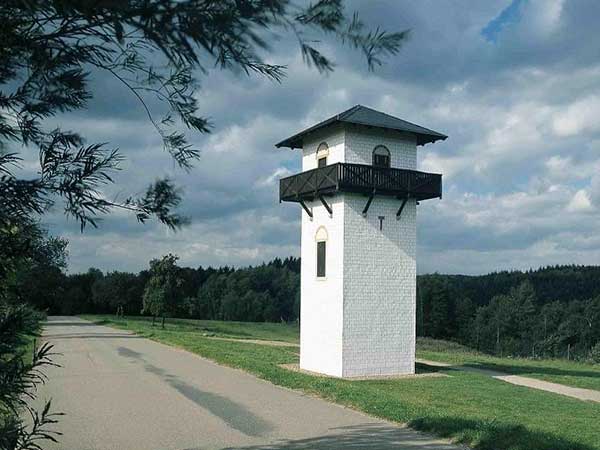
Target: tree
[(464, 313), (591, 317), (164, 288), (117, 291), (524, 300), (21, 426), (27, 250), (41, 277), (435, 302)]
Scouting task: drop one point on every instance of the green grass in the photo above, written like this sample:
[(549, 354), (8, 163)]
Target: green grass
[(569, 373), (466, 407), (217, 328)]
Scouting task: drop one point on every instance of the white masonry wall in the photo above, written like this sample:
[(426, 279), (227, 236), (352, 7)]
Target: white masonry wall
[(360, 142), (333, 137), (379, 288), (360, 319), (321, 308), (379, 267)]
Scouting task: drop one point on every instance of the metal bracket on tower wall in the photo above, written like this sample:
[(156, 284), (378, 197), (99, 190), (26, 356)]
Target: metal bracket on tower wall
[(399, 213), (326, 205), (306, 208), (366, 208)]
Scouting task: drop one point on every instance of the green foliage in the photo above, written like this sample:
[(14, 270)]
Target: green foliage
[(595, 353), (21, 426), (531, 314), (31, 265), (163, 290), (117, 289), (269, 292)]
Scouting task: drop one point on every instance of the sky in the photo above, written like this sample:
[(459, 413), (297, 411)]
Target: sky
[(514, 84)]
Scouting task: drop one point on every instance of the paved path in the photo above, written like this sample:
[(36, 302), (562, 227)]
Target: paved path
[(123, 392), (534, 383)]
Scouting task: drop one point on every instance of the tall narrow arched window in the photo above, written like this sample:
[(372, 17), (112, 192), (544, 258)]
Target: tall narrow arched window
[(322, 154), (321, 239), (381, 156)]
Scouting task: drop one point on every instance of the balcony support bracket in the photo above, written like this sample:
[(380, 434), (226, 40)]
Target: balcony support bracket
[(399, 213), (368, 205), (326, 205), (306, 208)]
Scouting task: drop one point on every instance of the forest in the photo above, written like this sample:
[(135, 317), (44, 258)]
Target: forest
[(548, 312)]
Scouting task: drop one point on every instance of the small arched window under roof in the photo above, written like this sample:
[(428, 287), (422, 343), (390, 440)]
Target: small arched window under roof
[(381, 156), (322, 154)]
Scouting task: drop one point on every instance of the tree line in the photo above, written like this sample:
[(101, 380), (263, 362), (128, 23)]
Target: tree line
[(269, 292), (549, 312)]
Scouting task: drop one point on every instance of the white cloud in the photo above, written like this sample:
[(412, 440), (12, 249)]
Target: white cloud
[(273, 179), (580, 202), (582, 115), (543, 16)]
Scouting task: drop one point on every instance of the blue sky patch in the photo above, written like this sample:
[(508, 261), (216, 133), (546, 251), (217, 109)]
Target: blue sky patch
[(510, 14)]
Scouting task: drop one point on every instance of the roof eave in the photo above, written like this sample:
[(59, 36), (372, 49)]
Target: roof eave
[(291, 143), (430, 139)]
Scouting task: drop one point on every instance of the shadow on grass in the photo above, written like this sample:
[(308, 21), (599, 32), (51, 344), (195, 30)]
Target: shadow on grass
[(369, 436), (223, 331), (492, 435), (517, 369), (425, 368)]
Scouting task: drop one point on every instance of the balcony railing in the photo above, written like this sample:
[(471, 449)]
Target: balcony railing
[(360, 178)]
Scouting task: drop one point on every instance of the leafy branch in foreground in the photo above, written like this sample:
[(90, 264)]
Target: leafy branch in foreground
[(20, 377), (50, 50)]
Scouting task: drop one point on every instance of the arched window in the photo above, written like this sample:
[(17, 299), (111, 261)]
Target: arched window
[(321, 238), (322, 154), (381, 156)]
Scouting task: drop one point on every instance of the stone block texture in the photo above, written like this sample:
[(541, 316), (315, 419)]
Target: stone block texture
[(359, 320)]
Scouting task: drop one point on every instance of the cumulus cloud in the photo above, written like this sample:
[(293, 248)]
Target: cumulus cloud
[(580, 202)]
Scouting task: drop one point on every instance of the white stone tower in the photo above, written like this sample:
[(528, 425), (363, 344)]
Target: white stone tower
[(359, 189)]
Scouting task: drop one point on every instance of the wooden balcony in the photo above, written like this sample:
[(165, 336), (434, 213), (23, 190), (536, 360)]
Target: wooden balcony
[(360, 178)]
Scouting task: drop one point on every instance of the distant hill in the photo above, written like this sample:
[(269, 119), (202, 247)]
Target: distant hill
[(562, 283)]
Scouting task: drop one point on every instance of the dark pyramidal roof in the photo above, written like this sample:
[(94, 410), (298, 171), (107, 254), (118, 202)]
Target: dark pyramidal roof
[(361, 115)]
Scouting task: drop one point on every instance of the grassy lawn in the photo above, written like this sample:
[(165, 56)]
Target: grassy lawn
[(217, 328), (569, 373), (466, 407)]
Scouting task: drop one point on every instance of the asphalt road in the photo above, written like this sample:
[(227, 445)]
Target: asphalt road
[(123, 392)]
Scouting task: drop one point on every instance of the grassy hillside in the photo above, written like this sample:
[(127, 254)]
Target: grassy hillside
[(466, 407)]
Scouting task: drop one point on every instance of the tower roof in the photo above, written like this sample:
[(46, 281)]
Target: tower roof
[(361, 115)]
